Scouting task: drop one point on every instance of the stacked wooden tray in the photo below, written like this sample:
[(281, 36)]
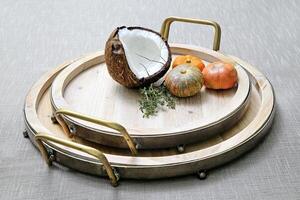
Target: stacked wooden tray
[(101, 131)]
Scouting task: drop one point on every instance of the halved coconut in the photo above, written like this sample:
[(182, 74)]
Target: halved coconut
[(136, 56)]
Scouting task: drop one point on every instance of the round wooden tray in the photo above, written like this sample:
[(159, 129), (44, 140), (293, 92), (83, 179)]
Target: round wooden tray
[(86, 87), (84, 155)]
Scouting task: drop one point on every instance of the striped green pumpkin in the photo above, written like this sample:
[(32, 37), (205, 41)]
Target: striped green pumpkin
[(184, 81)]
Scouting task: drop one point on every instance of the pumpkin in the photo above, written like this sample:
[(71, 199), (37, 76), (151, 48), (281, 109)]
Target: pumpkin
[(188, 59), (220, 75), (184, 81)]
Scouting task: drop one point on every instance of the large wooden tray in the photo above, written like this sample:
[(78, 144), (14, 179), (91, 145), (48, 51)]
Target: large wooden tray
[(86, 87), (80, 154)]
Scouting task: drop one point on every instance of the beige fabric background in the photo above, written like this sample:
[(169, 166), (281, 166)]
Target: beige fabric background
[(37, 35)]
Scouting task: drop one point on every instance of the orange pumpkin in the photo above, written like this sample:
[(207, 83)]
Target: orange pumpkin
[(220, 75), (188, 59)]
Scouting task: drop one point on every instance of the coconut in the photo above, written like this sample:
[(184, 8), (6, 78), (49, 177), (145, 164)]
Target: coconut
[(136, 56)]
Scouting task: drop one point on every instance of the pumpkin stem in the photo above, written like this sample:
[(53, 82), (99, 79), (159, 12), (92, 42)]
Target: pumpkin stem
[(183, 71)]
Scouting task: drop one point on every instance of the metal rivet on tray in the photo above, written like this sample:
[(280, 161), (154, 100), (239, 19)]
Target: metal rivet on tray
[(202, 174), (180, 148), (138, 146), (25, 134), (53, 119), (72, 128)]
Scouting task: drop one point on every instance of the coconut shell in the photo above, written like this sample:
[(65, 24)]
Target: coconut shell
[(117, 64)]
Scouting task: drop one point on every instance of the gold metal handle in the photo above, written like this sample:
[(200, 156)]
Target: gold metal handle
[(94, 152), (112, 125), (165, 28)]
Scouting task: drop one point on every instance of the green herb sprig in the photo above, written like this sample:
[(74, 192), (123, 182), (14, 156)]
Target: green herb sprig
[(153, 98)]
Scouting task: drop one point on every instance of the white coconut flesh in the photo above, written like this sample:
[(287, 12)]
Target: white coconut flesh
[(145, 51)]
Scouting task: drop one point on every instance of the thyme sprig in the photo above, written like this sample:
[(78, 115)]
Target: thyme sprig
[(153, 98)]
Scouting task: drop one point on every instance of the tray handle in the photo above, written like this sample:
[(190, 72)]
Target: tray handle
[(112, 174), (165, 28), (112, 125)]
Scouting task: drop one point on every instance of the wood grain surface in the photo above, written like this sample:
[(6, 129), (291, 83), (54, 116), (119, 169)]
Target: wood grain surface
[(93, 92), (86, 87), (35, 36)]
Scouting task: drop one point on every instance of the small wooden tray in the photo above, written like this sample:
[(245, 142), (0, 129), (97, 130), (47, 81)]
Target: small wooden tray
[(149, 164), (86, 87)]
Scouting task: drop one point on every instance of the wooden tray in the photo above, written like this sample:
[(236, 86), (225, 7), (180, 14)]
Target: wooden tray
[(101, 160), (86, 87)]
